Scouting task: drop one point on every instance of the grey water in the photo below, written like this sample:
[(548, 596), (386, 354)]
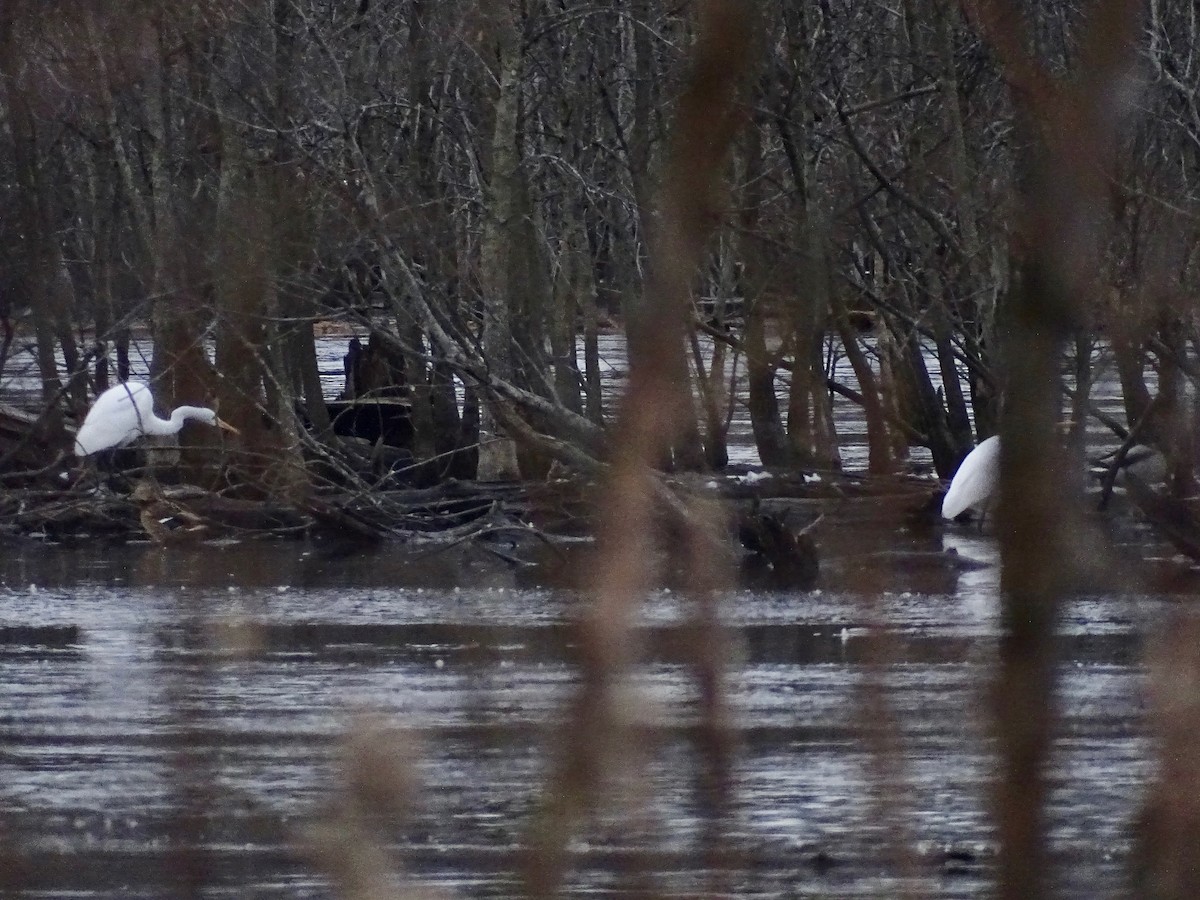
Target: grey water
[(138, 741), (170, 718)]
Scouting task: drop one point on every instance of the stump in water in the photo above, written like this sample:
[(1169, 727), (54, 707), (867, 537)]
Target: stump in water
[(385, 420), (375, 405), (779, 554), (374, 371)]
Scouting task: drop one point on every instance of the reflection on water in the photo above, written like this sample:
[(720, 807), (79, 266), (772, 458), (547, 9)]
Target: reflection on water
[(247, 663), (978, 585)]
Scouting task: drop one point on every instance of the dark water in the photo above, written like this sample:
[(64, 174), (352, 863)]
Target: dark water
[(240, 666)]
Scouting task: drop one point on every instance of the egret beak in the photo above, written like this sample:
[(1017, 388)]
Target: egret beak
[(221, 423)]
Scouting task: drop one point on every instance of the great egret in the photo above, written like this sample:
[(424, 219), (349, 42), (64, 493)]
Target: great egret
[(979, 475), (975, 481), (125, 412)]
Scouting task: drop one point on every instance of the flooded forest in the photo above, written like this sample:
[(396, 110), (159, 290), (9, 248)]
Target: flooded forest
[(532, 449)]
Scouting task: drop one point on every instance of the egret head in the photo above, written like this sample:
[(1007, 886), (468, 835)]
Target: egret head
[(205, 416)]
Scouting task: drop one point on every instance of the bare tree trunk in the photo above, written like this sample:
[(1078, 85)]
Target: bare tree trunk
[(466, 443), (240, 283), (687, 450), (762, 365), (571, 284), (434, 433), (62, 308), (38, 255), (770, 439), (305, 367), (294, 234), (594, 401), (180, 368), (1130, 361), (419, 376), (810, 426), (969, 290), (958, 423), (255, 393), (892, 383), (101, 255), (710, 383), (879, 453), (498, 262), (256, 225), (931, 411)]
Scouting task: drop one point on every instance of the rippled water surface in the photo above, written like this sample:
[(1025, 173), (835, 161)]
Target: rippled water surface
[(171, 717)]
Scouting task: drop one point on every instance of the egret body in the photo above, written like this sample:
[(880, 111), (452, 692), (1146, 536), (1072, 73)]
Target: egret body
[(976, 480), (125, 412)]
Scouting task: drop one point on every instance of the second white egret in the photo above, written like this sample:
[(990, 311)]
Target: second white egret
[(976, 480)]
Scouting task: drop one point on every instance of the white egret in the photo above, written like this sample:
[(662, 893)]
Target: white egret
[(975, 481), (978, 477), (125, 412)]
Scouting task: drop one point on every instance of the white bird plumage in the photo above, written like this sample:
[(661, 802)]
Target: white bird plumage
[(975, 481), (125, 412), (978, 476)]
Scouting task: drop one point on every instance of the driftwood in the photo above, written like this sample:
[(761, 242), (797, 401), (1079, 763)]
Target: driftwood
[(66, 514), (201, 514)]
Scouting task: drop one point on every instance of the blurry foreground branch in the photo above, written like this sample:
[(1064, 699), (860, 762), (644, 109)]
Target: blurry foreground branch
[(597, 732), (1069, 130)]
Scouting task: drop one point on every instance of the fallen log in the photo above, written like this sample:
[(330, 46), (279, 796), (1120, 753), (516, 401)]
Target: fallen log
[(26, 444)]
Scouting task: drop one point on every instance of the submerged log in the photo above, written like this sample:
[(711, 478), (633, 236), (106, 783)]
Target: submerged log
[(350, 522)]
